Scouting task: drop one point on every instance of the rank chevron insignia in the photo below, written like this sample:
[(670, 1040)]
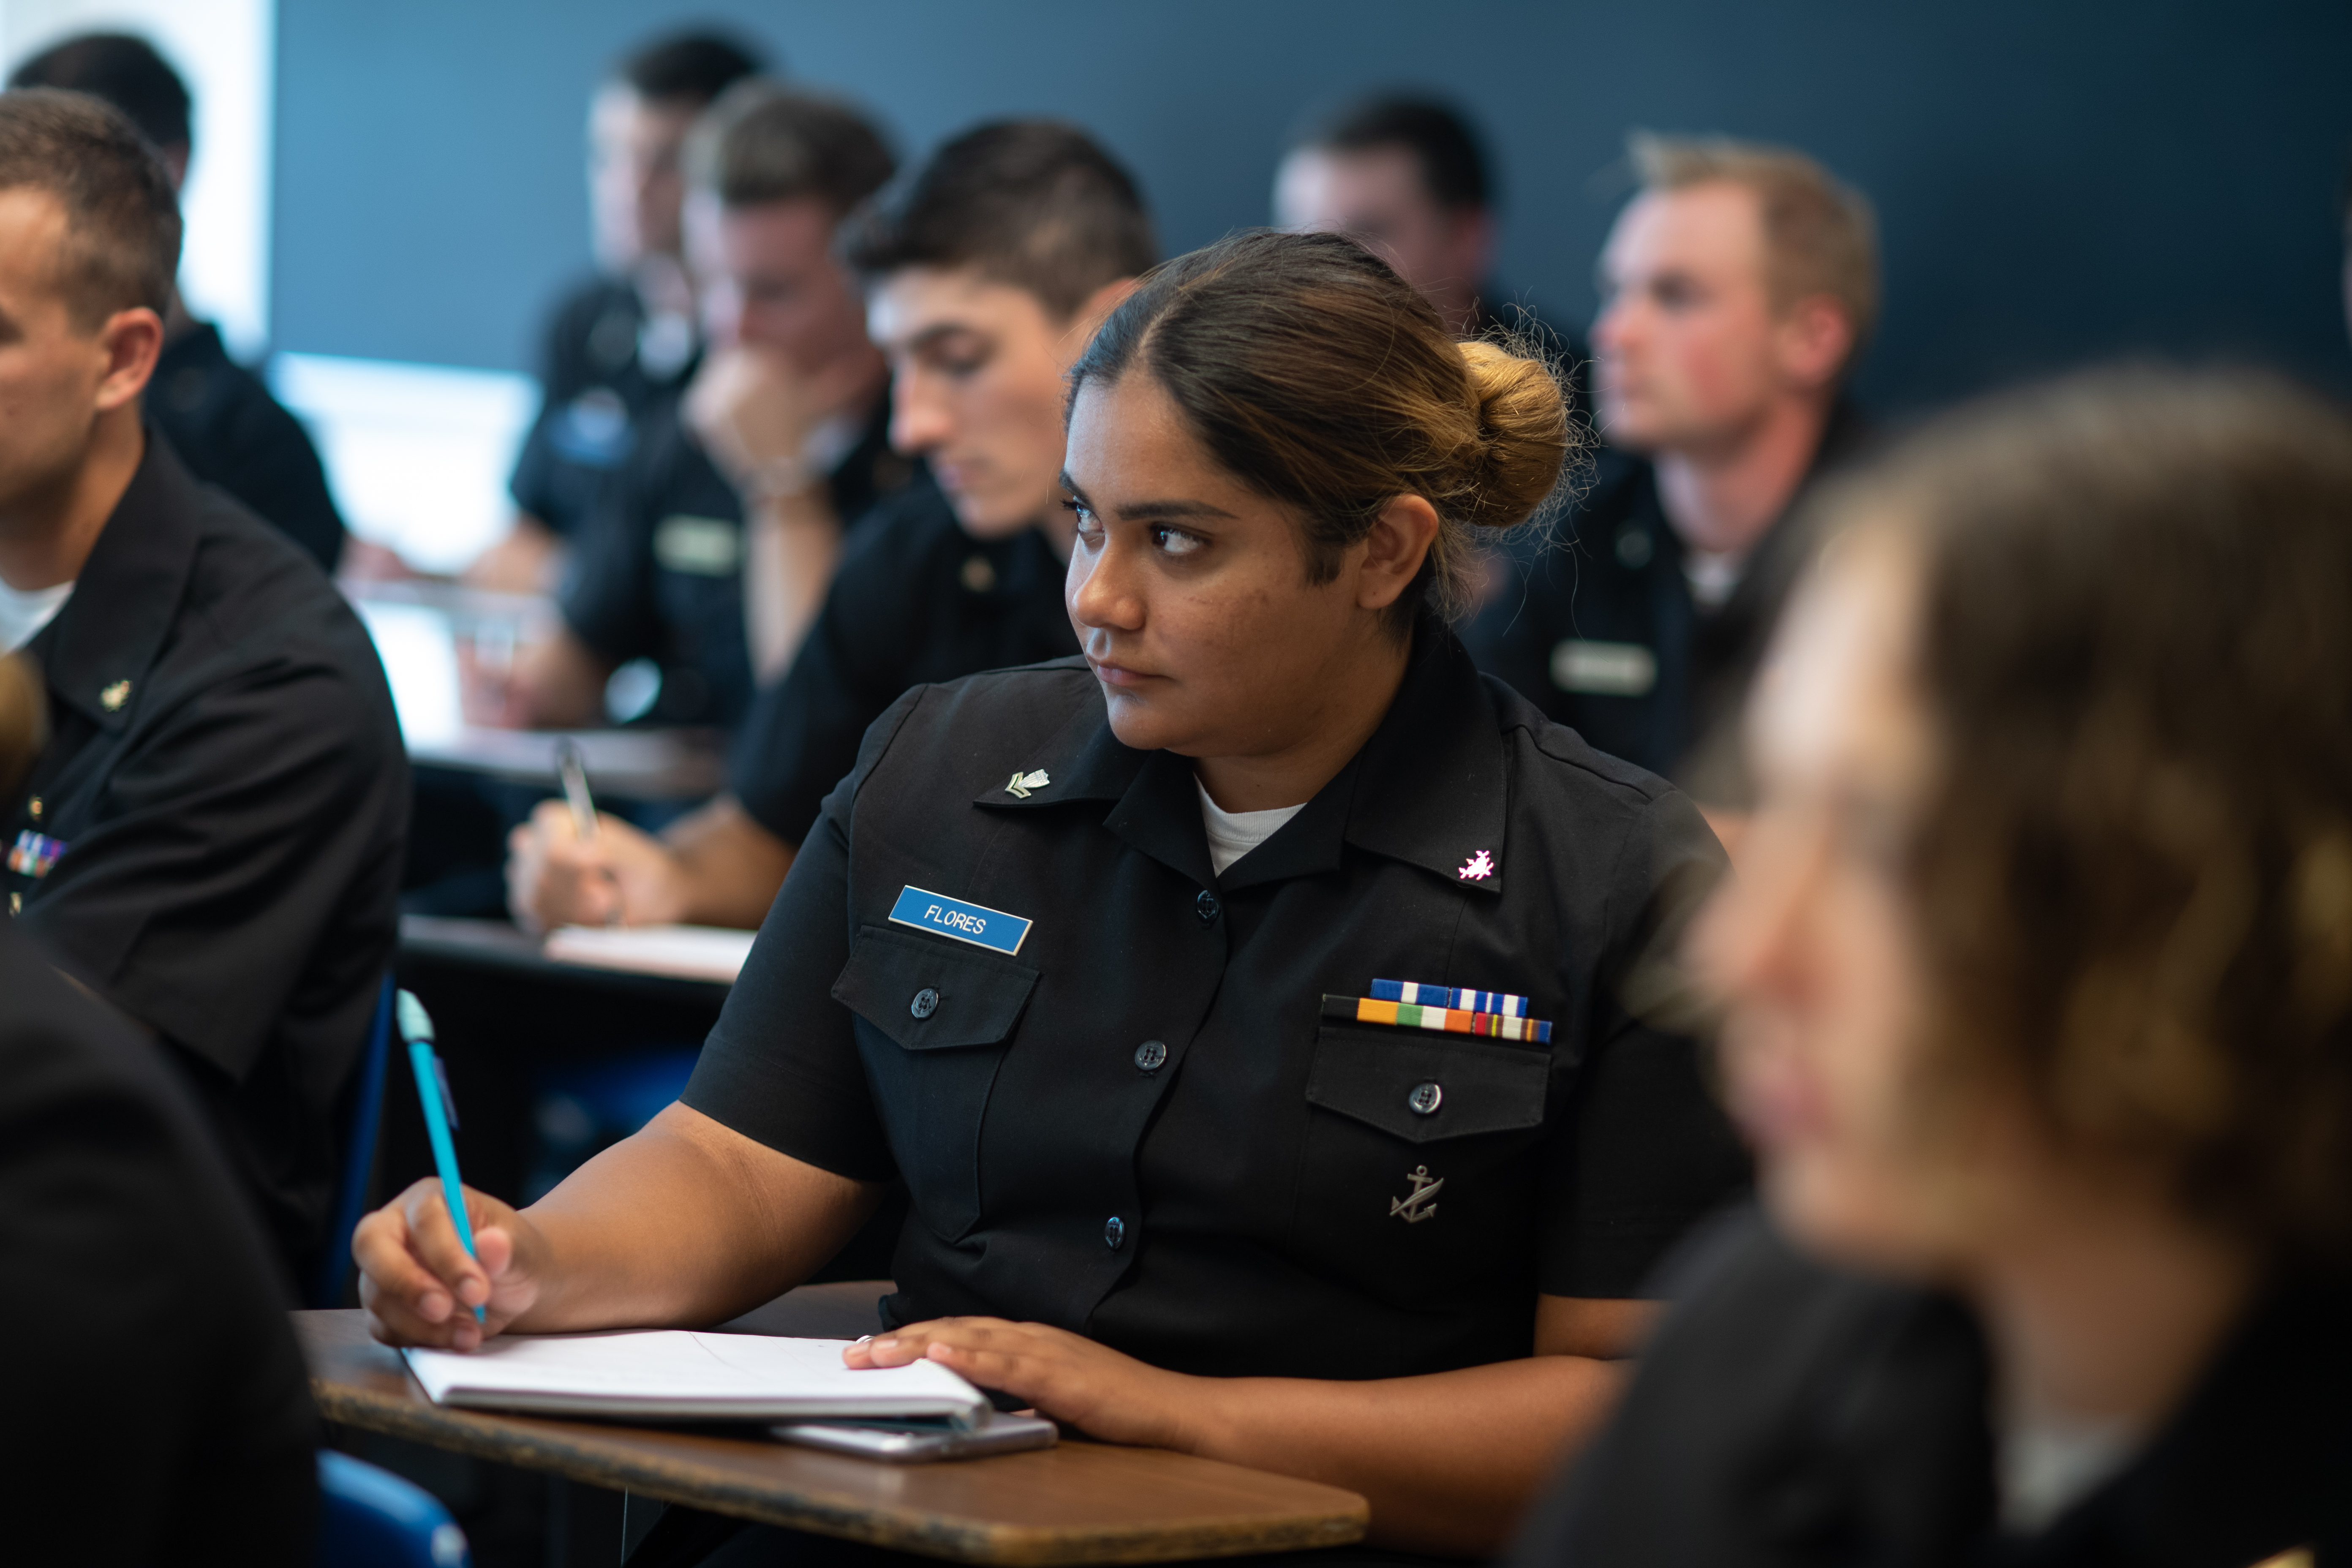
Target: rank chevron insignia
[(1024, 783)]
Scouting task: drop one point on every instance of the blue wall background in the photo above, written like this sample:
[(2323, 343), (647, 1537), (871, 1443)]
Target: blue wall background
[(2056, 182)]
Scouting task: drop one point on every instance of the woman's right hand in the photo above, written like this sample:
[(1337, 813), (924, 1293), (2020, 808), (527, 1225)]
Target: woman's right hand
[(419, 1285)]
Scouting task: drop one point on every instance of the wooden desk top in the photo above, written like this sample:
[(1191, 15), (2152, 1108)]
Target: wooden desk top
[(1079, 1502)]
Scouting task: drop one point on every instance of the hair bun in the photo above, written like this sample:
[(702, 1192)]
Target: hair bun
[(1524, 430)]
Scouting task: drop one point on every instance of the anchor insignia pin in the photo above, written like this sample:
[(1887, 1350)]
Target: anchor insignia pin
[(1421, 1202), (1024, 783), (1477, 869)]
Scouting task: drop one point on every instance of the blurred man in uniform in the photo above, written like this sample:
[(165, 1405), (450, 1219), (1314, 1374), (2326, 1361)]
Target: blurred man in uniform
[(984, 281), (625, 338), (1407, 176), (711, 553), (216, 413), (1738, 287)]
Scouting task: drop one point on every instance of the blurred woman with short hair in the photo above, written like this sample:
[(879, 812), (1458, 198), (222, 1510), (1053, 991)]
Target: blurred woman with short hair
[(2038, 978)]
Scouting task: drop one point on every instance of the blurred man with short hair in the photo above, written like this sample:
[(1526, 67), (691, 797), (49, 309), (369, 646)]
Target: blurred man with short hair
[(622, 341), (1408, 176), (984, 281), (1738, 287), (712, 551), (216, 412)]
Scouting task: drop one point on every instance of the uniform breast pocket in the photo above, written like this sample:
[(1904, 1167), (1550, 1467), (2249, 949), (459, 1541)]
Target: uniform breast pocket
[(933, 1021), (1417, 1174)]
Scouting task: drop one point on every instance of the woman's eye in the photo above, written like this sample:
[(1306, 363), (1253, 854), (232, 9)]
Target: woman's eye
[(1176, 541)]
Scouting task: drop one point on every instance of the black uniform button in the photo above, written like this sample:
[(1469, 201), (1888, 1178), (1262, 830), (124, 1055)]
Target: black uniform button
[(1633, 548), (1114, 1233), (926, 1003), (1425, 1099), (1207, 906), (1149, 1055)]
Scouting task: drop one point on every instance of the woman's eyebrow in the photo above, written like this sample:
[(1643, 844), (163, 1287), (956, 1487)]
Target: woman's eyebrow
[(1148, 510)]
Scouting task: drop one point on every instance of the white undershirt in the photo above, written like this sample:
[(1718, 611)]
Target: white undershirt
[(1234, 834), (24, 612), (2047, 1467)]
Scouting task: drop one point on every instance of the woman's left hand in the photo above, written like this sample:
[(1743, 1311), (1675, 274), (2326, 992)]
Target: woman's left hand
[(1108, 1395)]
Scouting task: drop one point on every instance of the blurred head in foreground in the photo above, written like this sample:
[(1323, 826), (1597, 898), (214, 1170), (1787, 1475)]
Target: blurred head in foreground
[(2045, 922)]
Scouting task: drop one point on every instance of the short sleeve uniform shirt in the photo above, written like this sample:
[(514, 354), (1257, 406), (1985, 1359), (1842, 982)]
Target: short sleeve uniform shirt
[(915, 601), (601, 370), (658, 571), (1133, 1118), (212, 837)]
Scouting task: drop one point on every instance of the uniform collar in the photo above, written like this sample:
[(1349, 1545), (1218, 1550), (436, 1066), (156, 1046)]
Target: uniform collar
[(105, 640), (1427, 788)]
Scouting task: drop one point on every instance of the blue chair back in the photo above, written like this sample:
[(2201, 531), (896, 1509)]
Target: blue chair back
[(370, 1518), (359, 1157)]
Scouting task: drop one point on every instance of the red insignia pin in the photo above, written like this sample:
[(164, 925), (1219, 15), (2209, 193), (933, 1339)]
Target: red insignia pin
[(1477, 869)]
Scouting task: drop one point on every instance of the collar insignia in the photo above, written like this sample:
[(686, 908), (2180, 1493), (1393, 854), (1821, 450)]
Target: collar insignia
[(113, 696), (1477, 869), (1024, 783)]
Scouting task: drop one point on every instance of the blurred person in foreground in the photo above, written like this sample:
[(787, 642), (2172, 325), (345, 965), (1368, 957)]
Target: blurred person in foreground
[(1738, 288), (711, 553), (166, 1404), (1408, 176), (984, 281), (621, 342), (2040, 985), (216, 413), (210, 838)]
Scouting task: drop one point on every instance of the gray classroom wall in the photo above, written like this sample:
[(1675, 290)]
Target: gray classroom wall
[(2056, 181)]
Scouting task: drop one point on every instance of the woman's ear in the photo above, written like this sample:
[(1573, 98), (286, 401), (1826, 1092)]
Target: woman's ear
[(1393, 550)]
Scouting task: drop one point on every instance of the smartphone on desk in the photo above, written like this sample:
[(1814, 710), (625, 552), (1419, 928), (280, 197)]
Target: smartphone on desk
[(919, 1442)]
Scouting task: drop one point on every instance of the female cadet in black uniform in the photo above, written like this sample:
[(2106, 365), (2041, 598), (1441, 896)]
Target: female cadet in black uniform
[(1174, 1190)]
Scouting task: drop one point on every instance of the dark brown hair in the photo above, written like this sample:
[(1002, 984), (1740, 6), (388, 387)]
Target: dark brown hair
[(2134, 874), (122, 248), (1321, 380), (764, 143), (1031, 202)]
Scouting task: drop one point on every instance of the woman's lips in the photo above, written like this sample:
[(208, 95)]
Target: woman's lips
[(1111, 674)]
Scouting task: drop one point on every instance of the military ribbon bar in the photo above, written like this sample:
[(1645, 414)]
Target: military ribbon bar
[(35, 853), (1442, 996), (1449, 1020)]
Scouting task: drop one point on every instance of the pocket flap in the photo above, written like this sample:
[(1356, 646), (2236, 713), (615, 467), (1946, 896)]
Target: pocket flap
[(928, 995), (1425, 1089)]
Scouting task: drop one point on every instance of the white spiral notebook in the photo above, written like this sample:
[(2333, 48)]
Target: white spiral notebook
[(679, 1374)]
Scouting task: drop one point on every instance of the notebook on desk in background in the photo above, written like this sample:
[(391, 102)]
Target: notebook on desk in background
[(676, 1374), (682, 953)]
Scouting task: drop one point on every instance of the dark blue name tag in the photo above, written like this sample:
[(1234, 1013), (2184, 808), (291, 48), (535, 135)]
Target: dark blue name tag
[(938, 913)]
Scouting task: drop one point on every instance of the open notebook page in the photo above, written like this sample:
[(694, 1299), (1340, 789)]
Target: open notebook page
[(679, 1374), (687, 953)]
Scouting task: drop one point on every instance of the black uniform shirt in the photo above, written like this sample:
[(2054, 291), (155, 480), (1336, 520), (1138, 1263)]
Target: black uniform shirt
[(596, 384), (1792, 1416), (153, 1404), (230, 432), (658, 571), (915, 601), (1601, 631), (212, 837), (1140, 1125)]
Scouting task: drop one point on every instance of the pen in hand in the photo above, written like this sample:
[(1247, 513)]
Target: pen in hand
[(440, 1116), (573, 773)]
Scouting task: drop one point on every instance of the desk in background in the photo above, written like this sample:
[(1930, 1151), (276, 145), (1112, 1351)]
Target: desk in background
[(1077, 1503)]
